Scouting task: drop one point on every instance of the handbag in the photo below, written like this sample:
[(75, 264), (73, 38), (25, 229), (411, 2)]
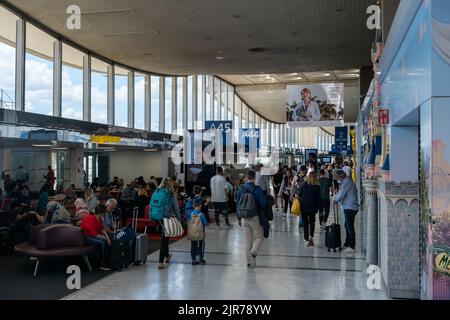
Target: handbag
[(296, 209), (172, 227)]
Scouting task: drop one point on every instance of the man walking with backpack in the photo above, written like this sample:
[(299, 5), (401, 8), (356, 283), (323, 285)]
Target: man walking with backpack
[(251, 202)]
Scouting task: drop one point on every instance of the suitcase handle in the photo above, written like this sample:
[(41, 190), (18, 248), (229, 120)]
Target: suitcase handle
[(336, 213), (134, 221)]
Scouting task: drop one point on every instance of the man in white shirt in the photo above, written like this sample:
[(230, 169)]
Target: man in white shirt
[(262, 181), (219, 196)]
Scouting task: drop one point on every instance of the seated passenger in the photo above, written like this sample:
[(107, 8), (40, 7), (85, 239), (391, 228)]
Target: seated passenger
[(80, 210), (70, 192), (23, 199), (91, 199), (130, 192), (114, 184), (111, 216), (95, 234), (104, 195), (43, 199), (142, 201), (56, 213)]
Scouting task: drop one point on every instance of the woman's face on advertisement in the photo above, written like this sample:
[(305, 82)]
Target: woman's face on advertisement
[(306, 95)]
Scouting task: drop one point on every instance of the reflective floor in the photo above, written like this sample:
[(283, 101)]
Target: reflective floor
[(286, 270)]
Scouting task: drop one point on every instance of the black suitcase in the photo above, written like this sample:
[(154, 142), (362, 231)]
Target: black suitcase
[(122, 251), (333, 233)]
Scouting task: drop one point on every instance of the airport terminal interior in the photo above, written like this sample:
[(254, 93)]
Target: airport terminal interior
[(229, 150)]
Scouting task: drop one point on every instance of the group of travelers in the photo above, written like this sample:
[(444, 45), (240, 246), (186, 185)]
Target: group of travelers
[(102, 209), (314, 186)]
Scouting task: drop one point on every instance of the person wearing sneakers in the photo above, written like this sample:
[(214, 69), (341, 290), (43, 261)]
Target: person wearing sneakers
[(219, 196), (96, 235), (171, 208), (196, 231), (309, 195), (347, 197), (254, 231)]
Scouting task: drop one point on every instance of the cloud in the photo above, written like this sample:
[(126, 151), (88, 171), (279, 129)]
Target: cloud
[(7, 69)]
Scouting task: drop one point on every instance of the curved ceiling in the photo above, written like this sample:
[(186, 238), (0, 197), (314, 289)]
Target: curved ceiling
[(214, 37)]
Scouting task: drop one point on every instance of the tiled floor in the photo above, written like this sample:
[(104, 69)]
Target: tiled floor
[(286, 270)]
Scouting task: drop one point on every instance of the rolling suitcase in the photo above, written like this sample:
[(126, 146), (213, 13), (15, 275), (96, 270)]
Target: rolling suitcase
[(141, 241), (333, 233), (122, 248)]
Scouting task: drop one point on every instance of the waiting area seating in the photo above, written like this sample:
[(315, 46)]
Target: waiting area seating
[(55, 241)]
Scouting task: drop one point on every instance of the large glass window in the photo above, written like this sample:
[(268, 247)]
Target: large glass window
[(190, 90), (139, 101), (217, 113), (244, 116), (230, 102), (208, 98), (120, 97), (237, 116), (38, 71), (200, 101), (7, 58), (168, 104), (155, 103), (223, 107), (99, 91), (72, 83), (180, 103)]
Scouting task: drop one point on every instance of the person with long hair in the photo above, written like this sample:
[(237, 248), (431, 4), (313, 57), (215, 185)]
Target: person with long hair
[(172, 208), (285, 191), (310, 202)]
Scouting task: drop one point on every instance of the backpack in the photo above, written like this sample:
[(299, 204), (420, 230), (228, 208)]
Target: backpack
[(195, 231), (158, 203), (189, 208), (247, 205)]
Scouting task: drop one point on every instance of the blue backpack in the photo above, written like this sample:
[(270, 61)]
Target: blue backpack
[(159, 203), (190, 205)]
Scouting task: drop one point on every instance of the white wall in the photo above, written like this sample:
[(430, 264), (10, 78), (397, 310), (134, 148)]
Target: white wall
[(132, 164)]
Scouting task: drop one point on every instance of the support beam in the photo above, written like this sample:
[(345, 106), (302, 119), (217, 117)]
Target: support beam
[(110, 95), (131, 99), (20, 65), (174, 104), (162, 101), (185, 104), (148, 104), (57, 78), (194, 102), (87, 87), (204, 101)]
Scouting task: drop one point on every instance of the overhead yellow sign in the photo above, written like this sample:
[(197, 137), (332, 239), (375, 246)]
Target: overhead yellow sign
[(105, 139)]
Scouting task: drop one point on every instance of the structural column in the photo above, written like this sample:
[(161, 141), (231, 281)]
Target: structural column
[(370, 193)]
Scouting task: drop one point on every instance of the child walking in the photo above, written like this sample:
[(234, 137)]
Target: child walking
[(196, 231)]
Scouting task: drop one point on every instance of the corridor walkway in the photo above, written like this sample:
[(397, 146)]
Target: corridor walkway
[(286, 270)]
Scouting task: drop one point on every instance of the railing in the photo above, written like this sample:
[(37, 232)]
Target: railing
[(5, 100)]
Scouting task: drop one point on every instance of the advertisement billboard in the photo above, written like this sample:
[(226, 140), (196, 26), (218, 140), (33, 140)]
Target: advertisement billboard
[(315, 105)]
